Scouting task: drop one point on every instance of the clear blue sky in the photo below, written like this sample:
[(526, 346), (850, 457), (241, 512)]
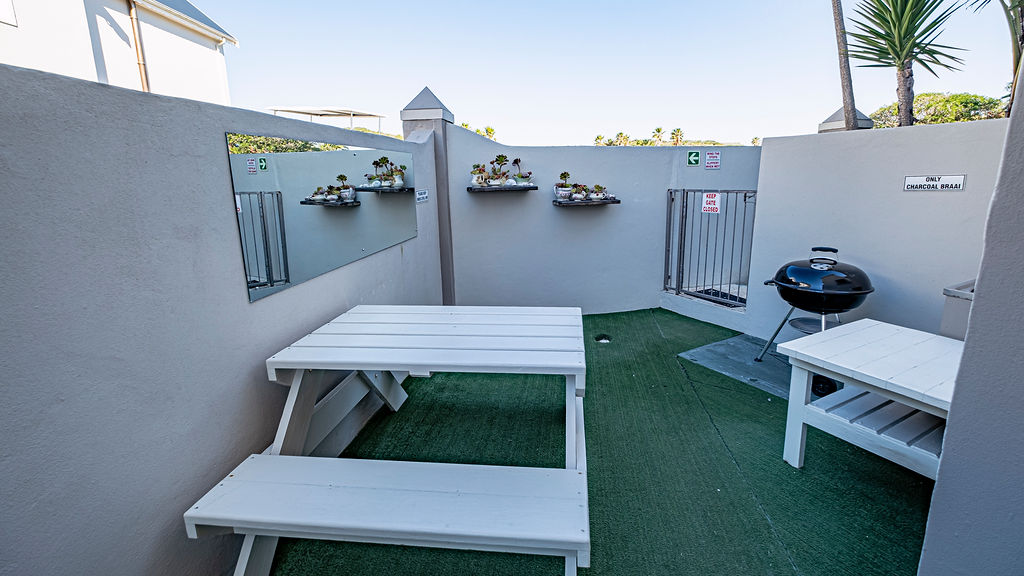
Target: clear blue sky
[(550, 72)]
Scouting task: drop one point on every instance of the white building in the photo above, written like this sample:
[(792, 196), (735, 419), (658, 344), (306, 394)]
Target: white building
[(169, 47)]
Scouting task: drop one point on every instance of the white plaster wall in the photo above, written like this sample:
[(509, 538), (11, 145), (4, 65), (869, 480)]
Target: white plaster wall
[(516, 248), (92, 40), (844, 190), (976, 519), (182, 62), (133, 362)]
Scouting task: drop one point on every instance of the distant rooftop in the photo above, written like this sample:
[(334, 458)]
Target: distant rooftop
[(330, 112)]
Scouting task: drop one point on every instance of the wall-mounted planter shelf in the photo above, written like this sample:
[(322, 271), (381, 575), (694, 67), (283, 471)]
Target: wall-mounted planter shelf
[(573, 203), (333, 204), (500, 188), (387, 189)]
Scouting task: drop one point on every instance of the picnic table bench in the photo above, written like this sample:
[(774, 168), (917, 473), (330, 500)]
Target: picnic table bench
[(284, 492), (898, 383)]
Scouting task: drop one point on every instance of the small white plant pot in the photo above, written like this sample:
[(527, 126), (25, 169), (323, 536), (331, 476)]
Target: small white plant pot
[(563, 193), (511, 182), (399, 182), (598, 196), (331, 197), (495, 182), (579, 196), (375, 184), (317, 197)]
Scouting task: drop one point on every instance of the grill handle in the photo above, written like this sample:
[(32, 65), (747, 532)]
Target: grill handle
[(824, 249), (769, 282)]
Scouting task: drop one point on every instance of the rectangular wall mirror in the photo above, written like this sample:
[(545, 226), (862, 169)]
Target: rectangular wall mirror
[(288, 232)]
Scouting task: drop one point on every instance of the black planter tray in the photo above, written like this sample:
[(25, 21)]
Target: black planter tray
[(333, 204), (501, 188), (388, 189), (570, 203)]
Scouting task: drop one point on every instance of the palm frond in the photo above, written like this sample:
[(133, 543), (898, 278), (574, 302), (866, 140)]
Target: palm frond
[(894, 32)]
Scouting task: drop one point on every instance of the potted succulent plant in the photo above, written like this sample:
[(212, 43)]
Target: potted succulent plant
[(399, 173), (598, 192), (521, 178), (497, 176), (579, 192), (563, 190), (477, 175), (345, 191), (317, 195)]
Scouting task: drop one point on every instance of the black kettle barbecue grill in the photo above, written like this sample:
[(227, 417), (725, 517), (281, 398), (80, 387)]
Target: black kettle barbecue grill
[(821, 284)]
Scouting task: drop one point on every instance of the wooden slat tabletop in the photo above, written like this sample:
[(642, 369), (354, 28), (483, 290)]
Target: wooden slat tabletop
[(904, 361), (425, 339)]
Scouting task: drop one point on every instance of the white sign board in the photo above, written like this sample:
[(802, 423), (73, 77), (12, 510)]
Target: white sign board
[(422, 196), (250, 165), (712, 160), (710, 204), (934, 183)]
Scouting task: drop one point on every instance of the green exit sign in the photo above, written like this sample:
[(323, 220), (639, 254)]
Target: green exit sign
[(693, 158), (263, 164)]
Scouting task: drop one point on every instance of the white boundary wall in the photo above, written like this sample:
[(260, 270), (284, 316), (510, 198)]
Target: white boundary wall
[(844, 190), (977, 510), (516, 248), (133, 362)]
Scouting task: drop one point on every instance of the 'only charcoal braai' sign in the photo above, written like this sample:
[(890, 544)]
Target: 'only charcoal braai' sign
[(934, 183)]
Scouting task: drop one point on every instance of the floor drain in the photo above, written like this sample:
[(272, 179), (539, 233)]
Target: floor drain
[(603, 338)]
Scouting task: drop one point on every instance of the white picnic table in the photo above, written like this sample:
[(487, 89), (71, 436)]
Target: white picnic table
[(898, 384), (372, 349)]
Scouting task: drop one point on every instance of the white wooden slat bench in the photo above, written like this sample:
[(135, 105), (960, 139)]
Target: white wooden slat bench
[(898, 384), (495, 508), (408, 503)]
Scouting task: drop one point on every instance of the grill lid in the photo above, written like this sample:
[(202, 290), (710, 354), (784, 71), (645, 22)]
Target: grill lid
[(823, 274)]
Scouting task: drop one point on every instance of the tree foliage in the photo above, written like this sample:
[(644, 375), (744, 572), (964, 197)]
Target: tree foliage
[(938, 108), (1013, 12), (250, 144), (898, 34), (657, 139), (487, 132)]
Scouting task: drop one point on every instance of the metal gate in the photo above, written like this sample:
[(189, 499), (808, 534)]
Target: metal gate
[(264, 250), (707, 244)]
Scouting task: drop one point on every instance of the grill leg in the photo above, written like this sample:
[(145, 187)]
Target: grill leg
[(776, 333)]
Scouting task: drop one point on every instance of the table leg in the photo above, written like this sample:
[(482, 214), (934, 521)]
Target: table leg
[(570, 422), (257, 552), (304, 387), (387, 386), (796, 429)]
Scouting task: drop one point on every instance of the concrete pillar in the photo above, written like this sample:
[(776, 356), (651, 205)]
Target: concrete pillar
[(427, 113)]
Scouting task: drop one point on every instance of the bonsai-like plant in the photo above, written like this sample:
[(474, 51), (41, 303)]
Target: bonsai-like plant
[(520, 175), (343, 179), (598, 189), (564, 177), (478, 169)]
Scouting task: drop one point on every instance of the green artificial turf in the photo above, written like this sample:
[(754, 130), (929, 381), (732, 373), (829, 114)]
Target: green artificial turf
[(685, 470)]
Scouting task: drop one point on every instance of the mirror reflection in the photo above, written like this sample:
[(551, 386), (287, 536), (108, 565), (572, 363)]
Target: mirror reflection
[(306, 208)]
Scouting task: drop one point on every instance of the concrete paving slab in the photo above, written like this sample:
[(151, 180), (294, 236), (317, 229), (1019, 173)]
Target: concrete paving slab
[(734, 357)]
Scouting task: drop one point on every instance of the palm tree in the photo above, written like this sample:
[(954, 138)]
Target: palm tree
[(622, 139), (898, 33), (1015, 20), (676, 137), (658, 136), (599, 140), (849, 108)]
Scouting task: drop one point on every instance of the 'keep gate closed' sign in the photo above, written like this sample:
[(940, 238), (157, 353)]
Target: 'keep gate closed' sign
[(710, 204)]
